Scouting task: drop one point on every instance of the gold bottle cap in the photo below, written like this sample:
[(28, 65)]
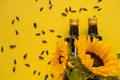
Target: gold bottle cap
[(92, 21), (74, 21)]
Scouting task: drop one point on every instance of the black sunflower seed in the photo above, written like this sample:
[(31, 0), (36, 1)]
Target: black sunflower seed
[(41, 9), (44, 41), (15, 62), (94, 16), (63, 14), (36, 0), (99, 0), (43, 32), (14, 69), (25, 56), (38, 73), (13, 21), (99, 9), (52, 75), (42, 52), (46, 77), (66, 10), (2, 49), (49, 62), (27, 65), (84, 9), (12, 46), (35, 25), (80, 10), (50, 6), (51, 30), (70, 9), (17, 18), (37, 34), (73, 11), (41, 58), (47, 52), (50, 2), (96, 7), (16, 32), (59, 36), (34, 72)]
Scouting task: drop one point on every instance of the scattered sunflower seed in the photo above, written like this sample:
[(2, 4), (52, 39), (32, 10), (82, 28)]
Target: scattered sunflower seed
[(66, 10), (70, 9), (52, 75), (43, 32), (27, 65), (36, 0), (99, 0), (42, 52), (17, 18), (44, 41), (47, 52), (14, 69), (99, 9), (35, 25), (13, 21), (49, 62), (80, 10), (94, 16), (38, 73), (59, 36), (12, 46), (25, 56), (51, 30), (15, 62), (41, 58), (50, 6), (63, 14), (46, 77), (73, 11), (84, 9), (16, 32), (2, 49), (41, 9), (34, 72), (96, 7), (37, 34), (50, 2)]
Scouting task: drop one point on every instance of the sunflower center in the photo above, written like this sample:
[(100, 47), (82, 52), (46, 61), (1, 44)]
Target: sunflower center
[(60, 59), (97, 60)]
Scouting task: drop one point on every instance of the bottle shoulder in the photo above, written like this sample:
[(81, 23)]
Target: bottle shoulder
[(70, 38), (95, 36), (99, 37)]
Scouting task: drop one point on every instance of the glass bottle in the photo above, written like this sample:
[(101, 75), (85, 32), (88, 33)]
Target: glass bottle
[(73, 34), (92, 28)]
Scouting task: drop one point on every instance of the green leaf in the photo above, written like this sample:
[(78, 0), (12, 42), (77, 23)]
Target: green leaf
[(74, 75), (118, 55), (112, 78), (67, 71)]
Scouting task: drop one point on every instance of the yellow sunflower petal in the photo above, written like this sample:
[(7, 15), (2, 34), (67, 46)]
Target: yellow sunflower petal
[(69, 64), (93, 44)]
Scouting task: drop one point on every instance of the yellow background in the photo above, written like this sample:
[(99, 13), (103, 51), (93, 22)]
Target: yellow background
[(28, 12)]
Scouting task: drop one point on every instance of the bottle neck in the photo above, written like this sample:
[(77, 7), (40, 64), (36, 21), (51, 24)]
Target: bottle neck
[(74, 31), (92, 30)]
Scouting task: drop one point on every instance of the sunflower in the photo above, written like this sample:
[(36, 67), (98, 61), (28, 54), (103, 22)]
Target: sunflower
[(96, 56), (60, 59)]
